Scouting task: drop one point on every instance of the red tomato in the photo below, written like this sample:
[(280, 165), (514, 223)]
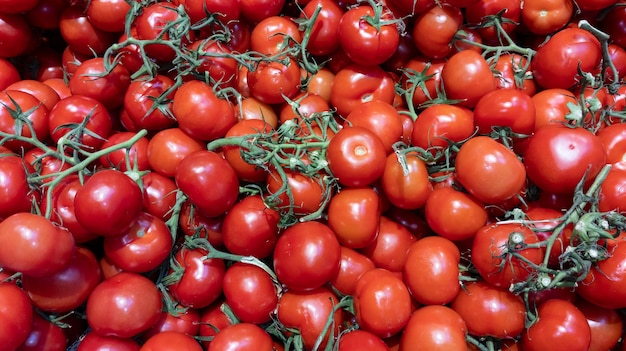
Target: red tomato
[(613, 139), (551, 106), (15, 35), (16, 316), (613, 24), (355, 84), (389, 249), (95, 342), (557, 158), (512, 71), (32, 245), (252, 108), (453, 214), (379, 117), (146, 104), (18, 104), (222, 70), (604, 285), (108, 15), (512, 108), (605, 324), (250, 293), (44, 93), (307, 193), (490, 311), (435, 28), (271, 80), (225, 11), (434, 328), (464, 69), (269, 36), (169, 340), (242, 337), (545, 220), (82, 36), (168, 147), (186, 321), (193, 223), (150, 24), (559, 326), (15, 193), (103, 83), (137, 154), (438, 124), (324, 38), (44, 336), (212, 320), (545, 17), (612, 189), (201, 281), (431, 270), (124, 305), (475, 12), (9, 75), (353, 264), (109, 203), (353, 215), (422, 78), (245, 171), (72, 111), (306, 256), (359, 339)]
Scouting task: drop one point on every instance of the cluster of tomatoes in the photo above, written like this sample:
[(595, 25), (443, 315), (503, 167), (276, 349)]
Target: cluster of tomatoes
[(312, 175)]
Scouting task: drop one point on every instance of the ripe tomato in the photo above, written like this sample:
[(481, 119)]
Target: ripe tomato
[(324, 38), (306, 256), (490, 311), (214, 59), (488, 170), (151, 23), (463, 69), (142, 111), (10, 74), (169, 340), (202, 170), (475, 12), (44, 335), (94, 342), (168, 147), (15, 193), (408, 190), (212, 320), (434, 328), (187, 322), (242, 337), (435, 28), (512, 108), (82, 36), (108, 15), (109, 203), (605, 324), (270, 80), (551, 106), (252, 108), (137, 154), (353, 215), (124, 305), (193, 223), (15, 35), (269, 36), (353, 264), (557, 158), (15, 104), (604, 285), (32, 245), (250, 293), (559, 326), (201, 281), (545, 17), (73, 111), (423, 77), (453, 214), (307, 193), (610, 197), (431, 270), (17, 316), (356, 156), (105, 84), (44, 93), (613, 24), (359, 339), (245, 171), (379, 117), (437, 124), (544, 222), (613, 139), (389, 249), (356, 84), (226, 11), (512, 71)]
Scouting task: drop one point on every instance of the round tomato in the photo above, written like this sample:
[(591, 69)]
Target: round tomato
[(379, 117), (355, 84), (151, 23), (216, 62), (15, 34), (250, 293), (17, 316), (613, 139), (94, 342), (44, 335), (421, 79), (475, 13), (242, 337), (464, 69), (512, 108), (324, 38), (212, 320), (269, 36), (389, 249), (77, 110), (98, 81), (359, 339), (82, 36), (169, 340), (406, 184), (453, 214), (353, 264), (44, 93), (605, 324), (435, 28), (438, 125), (544, 17), (200, 281), (15, 193), (611, 195), (168, 147), (108, 15), (186, 321), (434, 328), (18, 105), (353, 215), (146, 105), (269, 81), (136, 155), (233, 154), (605, 286)]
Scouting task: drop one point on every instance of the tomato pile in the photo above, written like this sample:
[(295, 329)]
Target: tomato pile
[(258, 175)]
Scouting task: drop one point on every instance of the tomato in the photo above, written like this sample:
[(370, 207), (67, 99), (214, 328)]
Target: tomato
[(9, 75), (422, 77), (242, 337), (306, 256), (17, 316), (435, 28), (186, 321), (256, 10), (492, 253), (359, 339), (613, 139), (551, 106), (410, 7), (68, 288), (95, 342), (488, 170), (324, 38), (193, 223), (269, 36), (142, 110), (453, 214), (389, 249), (222, 70), (169, 340), (16, 195), (307, 192), (356, 156), (15, 35), (431, 270), (137, 154), (32, 245), (200, 113), (233, 154), (270, 80), (321, 83), (205, 169), (512, 71), (96, 80), (44, 335), (308, 312), (512, 108), (81, 35), (44, 93), (490, 311), (108, 203), (612, 191), (557, 158), (212, 320), (545, 17), (545, 220), (605, 324), (604, 285), (577, 50), (618, 57), (252, 108), (463, 69), (23, 106), (123, 305), (433, 328), (59, 86), (225, 11), (559, 326), (613, 24), (475, 12), (201, 281), (108, 15), (168, 147), (356, 84), (151, 23), (250, 293), (379, 117), (438, 124), (353, 215), (352, 265)]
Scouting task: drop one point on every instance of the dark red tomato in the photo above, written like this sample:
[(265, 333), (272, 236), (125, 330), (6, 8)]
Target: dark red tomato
[(612, 191), (68, 288), (270, 80), (353, 215), (406, 188), (435, 28), (17, 104), (225, 11), (614, 24), (512, 108), (81, 35), (389, 249), (245, 171), (359, 339), (242, 337), (9, 75), (435, 328), (250, 228), (169, 340), (200, 113), (431, 271), (306, 256), (489, 170), (324, 38), (193, 223), (141, 248), (606, 325), (545, 220), (72, 111), (356, 156), (103, 83), (604, 285), (212, 320), (202, 170), (15, 193), (576, 49), (379, 117), (551, 106), (108, 203), (168, 147), (124, 305), (557, 158), (142, 110), (185, 322), (545, 17), (382, 303), (475, 12), (559, 326), (309, 312), (200, 283), (159, 195), (490, 311), (151, 23), (411, 220), (15, 35), (439, 123), (453, 214), (44, 336), (353, 264), (41, 91), (307, 192), (463, 69), (250, 293), (47, 64), (613, 139), (17, 316), (136, 155), (492, 253), (70, 60), (355, 84), (269, 36), (95, 342), (216, 61), (32, 245), (618, 57), (108, 15)]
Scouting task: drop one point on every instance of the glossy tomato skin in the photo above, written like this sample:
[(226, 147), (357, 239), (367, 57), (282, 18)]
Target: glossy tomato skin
[(242, 337), (379, 117), (169, 340), (94, 80), (250, 293), (137, 154), (269, 81), (612, 191), (435, 28), (559, 326), (453, 214), (159, 195), (361, 340), (324, 38), (32, 245), (14, 190), (95, 342), (73, 110), (245, 171), (408, 190), (44, 335), (187, 322), (124, 305), (306, 256), (511, 108), (545, 17), (353, 264), (604, 285), (208, 170), (18, 104), (389, 249), (433, 328), (80, 34), (17, 316), (463, 69), (353, 215), (139, 100), (15, 35), (551, 106), (356, 84), (441, 121), (202, 280), (605, 324), (268, 36), (44, 93), (168, 147)]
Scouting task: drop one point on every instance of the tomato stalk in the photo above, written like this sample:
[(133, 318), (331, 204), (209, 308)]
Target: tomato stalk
[(607, 63)]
